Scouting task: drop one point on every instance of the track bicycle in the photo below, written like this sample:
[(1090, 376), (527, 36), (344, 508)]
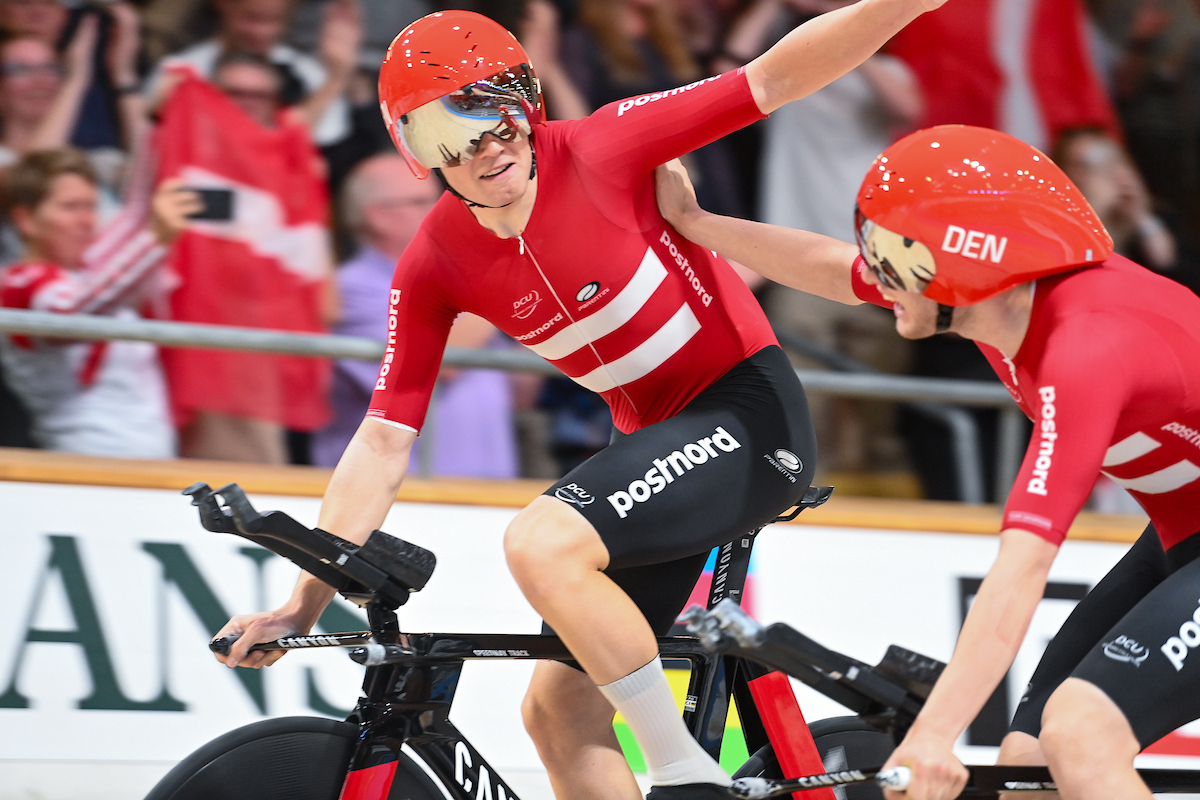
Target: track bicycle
[(725, 628), (410, 680)]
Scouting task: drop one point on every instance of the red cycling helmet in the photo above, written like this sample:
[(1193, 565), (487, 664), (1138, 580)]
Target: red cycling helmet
[(962, 214), (448, 79)]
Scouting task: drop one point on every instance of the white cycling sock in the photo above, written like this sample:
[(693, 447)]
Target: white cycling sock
[(672, 756)]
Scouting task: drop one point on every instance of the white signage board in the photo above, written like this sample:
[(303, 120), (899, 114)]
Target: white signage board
[(108, 597)]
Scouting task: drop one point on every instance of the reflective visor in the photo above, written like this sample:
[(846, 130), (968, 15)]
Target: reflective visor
[(449, 131), (898, 263)]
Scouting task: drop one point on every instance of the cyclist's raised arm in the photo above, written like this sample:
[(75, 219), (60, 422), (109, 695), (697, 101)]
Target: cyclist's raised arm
[(823, 49), (806, 261)]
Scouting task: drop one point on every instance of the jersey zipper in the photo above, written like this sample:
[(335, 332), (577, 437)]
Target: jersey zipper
[(527, 251)]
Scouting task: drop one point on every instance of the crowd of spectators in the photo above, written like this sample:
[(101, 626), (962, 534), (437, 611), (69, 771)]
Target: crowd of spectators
[(118, 117)]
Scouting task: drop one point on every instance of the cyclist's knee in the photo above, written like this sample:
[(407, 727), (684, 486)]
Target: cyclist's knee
[(1080, 724), (547, 541)]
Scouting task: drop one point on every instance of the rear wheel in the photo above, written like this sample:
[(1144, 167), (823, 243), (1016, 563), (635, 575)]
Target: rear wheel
[(292, 758), (844, 743)]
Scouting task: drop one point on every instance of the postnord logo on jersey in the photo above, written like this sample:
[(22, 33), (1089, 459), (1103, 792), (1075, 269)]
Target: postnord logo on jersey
[(679, 462), (389, 352), (1048, 436)]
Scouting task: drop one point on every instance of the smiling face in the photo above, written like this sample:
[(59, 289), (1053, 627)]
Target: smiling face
[(498, 175)]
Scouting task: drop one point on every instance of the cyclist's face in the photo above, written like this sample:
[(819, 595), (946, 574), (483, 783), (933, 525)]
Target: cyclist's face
[(916, 314), (497, 175)]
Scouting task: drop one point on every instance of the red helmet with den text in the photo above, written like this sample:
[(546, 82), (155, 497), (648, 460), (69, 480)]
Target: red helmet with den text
[(962, 213), (448, 79)]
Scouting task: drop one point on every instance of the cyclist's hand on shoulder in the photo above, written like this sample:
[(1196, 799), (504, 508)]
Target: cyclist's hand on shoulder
[(936, 773), (266, 626), (676, 195)]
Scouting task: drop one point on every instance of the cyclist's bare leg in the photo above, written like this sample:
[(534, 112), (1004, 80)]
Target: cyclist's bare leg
[(557, 559), (1022, 750), (571, 724), (1089, 744)]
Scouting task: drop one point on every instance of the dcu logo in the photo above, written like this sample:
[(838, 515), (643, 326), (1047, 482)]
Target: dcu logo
[(1125, 649), (525, 306), (574, 494)]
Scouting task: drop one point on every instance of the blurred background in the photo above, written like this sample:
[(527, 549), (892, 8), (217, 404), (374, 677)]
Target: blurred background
[(233, 94)]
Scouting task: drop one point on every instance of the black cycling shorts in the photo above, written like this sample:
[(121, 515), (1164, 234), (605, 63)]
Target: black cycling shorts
[(1134, 636), (662, 497)]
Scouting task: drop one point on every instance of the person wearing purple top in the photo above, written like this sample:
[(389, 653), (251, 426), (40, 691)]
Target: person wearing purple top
[(470, 428)]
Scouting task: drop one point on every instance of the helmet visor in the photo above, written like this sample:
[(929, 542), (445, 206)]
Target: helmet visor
[(898, 263), (450, 130)]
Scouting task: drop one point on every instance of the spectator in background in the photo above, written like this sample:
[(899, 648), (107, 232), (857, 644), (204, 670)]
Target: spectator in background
[(1106, 176), (470, 427), (264, 261), (1156, 83), (97, 398), (623, 48), (316, 86), (111, 117), (48, 100)]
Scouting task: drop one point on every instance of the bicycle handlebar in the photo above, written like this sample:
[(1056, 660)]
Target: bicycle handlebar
[(352, 639), (385, 568), (984, 781)]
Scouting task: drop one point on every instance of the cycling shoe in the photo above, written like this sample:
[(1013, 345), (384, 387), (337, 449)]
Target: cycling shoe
[(689, 791)]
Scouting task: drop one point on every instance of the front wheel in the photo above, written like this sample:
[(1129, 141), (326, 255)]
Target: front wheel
[(291, 758), (844, 743)]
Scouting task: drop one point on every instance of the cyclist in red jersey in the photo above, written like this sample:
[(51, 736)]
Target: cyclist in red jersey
[(972, 231), (551, 232)]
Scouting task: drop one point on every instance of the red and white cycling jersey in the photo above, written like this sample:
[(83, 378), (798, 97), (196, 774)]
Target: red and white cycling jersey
[(598, 283), (1109, 372)]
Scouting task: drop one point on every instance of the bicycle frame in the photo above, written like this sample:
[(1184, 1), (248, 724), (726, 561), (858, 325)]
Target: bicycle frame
[(411, 678)]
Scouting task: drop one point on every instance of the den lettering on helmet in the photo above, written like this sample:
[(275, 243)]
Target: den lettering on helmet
[(974, 244)]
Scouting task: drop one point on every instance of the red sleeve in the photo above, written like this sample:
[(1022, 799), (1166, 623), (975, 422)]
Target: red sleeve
[(631, 137), (22, 284), (419, 320), (868, 293), (1073, 425)]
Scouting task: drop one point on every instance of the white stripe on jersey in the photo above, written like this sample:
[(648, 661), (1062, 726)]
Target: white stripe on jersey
[(646, 357), (649, 276), (1165, 480), (1129, 448)]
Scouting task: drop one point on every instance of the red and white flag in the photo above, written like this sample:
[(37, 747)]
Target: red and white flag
[(264, 268), (1020, 66)]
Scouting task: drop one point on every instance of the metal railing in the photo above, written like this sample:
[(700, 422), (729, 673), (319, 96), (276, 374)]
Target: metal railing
[(965, 439), (846, 384)]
